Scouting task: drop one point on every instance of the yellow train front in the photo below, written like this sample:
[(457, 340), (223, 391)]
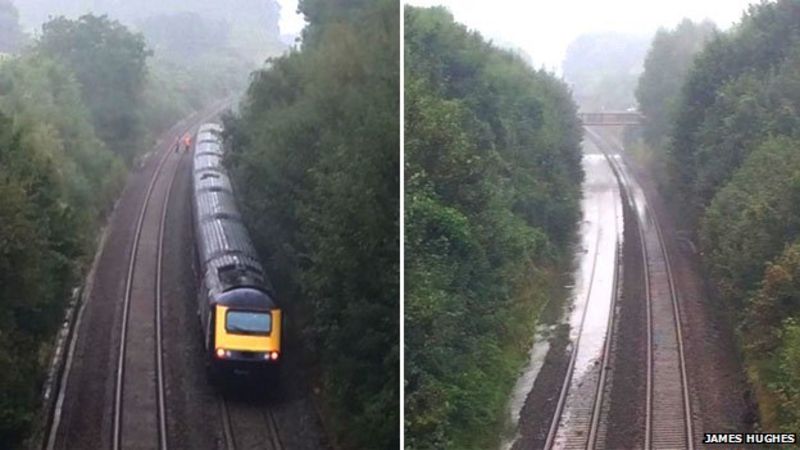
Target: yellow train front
[(246, 337), (236, 305)]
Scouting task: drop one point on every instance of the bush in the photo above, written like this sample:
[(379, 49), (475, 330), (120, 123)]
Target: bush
[(315, 157), (493, 172)]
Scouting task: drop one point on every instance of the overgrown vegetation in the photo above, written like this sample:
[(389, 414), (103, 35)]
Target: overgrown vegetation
[(56, 180), (665, 69), (733, 152), (315, 157), (196, 52), (658, 94), (72, 112), (110, 64), (492, 158)]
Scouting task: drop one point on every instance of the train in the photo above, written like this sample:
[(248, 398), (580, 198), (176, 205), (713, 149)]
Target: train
[(239, 316)]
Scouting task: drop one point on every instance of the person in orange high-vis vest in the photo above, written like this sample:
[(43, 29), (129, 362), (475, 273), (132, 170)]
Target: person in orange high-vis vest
[(187, 142)]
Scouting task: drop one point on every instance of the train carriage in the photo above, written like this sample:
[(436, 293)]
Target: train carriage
[(240, 320)]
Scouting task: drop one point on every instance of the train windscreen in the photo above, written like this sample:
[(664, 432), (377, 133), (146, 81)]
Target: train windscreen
[(248, 322)]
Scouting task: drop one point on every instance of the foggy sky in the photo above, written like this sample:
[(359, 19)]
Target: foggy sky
[(544, 29), (291, 22)]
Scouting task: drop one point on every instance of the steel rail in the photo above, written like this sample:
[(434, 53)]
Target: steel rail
[(162, 410), (227, 428), (272, 425), (70, 354), (649, 375), (229, 434), (601, 383), (602, 380), (117, 425), (551, 434), (72, 344), (687, 407), (677, 323)]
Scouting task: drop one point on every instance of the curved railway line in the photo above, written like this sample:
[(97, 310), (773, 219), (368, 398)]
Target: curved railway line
[(139, 404), (116, 437), (123, 341), (668, 412), (668, 416), (575, 423), (162, 409), (587, 417)]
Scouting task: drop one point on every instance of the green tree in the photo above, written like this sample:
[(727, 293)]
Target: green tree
[(37, 252), (492, 164), (733, 152), (752, 217), (56, 181), (315, 154), (772, 341), (764, 38), (110, 64), (665, 68), (46, 101)]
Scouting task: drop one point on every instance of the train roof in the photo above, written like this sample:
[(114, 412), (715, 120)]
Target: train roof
[(246, 298), (224, 235), (207, 161), (227, 255), (212, 180), (214, 128), (208, 143)]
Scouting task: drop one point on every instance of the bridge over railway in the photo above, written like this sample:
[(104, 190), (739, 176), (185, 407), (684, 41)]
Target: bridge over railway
[(610, 118)]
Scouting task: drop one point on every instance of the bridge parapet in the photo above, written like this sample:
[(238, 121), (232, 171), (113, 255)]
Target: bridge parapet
[(611, 118)]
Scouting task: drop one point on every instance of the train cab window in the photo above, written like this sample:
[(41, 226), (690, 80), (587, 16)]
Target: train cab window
[(209, 175), (248, 322)]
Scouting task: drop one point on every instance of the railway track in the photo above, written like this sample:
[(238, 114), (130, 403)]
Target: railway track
[(139, 413), (576, 422), (579, 419), (249, 426), (136, 389), (143, 391), (668, 416)]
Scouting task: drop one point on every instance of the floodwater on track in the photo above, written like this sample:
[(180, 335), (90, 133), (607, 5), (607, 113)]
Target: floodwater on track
[(589, 301)]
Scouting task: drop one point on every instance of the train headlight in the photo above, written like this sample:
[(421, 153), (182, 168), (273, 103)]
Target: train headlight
[(221, 353), (274, 356)]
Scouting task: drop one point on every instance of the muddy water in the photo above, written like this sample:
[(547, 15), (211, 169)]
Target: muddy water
[(589, 302)]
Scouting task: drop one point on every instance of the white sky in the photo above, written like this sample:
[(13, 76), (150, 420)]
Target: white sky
[(544, 28), (291, 22)]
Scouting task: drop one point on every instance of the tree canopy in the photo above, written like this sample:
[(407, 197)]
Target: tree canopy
[(59, 177), (748, 54), (733, 151), (315, 158), (492, 159), (110, 64), (56, 179), (665, 68)]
